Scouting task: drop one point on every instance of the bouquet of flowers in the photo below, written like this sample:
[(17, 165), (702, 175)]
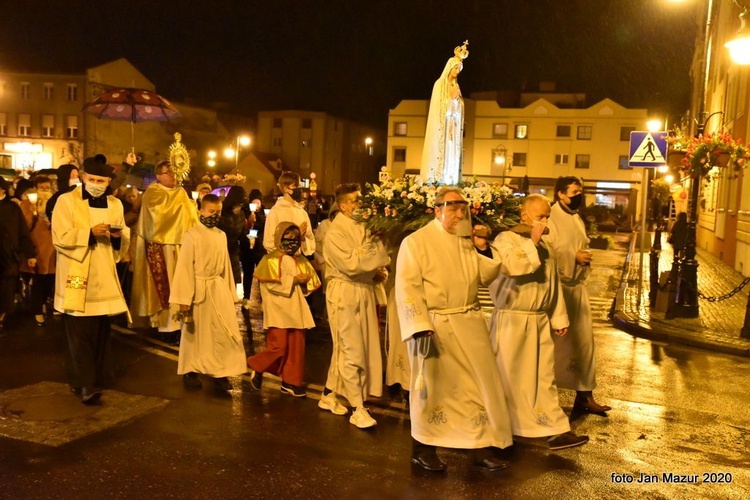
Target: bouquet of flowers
[(400, 205), (714, 150), (233, 179)]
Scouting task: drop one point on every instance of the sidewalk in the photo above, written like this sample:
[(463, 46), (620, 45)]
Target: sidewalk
[(718, 326)]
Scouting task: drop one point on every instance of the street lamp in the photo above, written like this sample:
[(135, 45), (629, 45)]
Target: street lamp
[(234, 151), (211, 159), (368, 145), (739, 46), (501, 160)]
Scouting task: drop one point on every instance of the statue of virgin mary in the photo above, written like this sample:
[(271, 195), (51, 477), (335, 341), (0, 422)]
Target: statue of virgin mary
[(443, 142)]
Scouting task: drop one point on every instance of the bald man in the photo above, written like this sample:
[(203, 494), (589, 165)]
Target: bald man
[(529, 307)]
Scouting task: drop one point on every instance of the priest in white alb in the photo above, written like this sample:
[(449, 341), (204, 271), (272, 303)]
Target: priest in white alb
[(456, 395), (529, 306)]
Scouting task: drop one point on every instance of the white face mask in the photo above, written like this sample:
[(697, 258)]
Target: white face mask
[(95, 190)]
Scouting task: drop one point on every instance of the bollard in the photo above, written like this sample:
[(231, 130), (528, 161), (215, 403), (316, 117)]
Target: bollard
[(745, 331)]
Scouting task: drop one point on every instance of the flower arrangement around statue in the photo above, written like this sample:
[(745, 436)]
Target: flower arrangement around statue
[(233, 179), (399, 205), (714, 150)]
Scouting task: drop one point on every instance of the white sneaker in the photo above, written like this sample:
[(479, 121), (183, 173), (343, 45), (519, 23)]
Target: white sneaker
[(362, 418), (331, 403)]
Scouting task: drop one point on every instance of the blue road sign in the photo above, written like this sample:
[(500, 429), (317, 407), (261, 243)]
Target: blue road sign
[(648, 149)]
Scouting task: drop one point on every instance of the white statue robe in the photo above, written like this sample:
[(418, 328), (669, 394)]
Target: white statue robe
[(528, 304), (443, 144), (286, 211), (212, 344), (352, 259), (71, 228), (575, 362), (456, 394)]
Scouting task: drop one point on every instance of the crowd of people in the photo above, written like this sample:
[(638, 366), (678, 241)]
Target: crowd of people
[(93, 250)]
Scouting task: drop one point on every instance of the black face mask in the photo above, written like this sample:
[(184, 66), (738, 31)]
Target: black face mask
[(575, 201), (297, 194), (210, 221), (289, 245)]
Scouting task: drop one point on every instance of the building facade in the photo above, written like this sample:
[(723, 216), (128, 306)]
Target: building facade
[(308, 142), (41, 123), (543, 137)]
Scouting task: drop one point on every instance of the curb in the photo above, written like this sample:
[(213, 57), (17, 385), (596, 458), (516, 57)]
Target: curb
[(651, 329)]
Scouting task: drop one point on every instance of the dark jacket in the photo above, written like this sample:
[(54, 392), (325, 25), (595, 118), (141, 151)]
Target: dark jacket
[(15, 240)]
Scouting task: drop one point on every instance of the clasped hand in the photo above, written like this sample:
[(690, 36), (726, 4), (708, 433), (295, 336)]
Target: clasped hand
[(104, 230)]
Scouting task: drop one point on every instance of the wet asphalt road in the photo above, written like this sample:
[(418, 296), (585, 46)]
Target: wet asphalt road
[(675, 410)]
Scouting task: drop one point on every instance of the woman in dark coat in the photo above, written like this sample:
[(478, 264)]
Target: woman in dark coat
[(15, 246), (232, 222)]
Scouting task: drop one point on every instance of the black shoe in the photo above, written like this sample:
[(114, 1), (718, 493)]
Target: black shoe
[(587, 404), (90, 396), (293, 390), (222, 384), (75, 390), (256, 380), (192, 381), (489, 463), (567, 440), (175, 338), (430, 462)]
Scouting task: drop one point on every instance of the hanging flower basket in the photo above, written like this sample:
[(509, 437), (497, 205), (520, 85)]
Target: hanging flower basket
[(714, 150)]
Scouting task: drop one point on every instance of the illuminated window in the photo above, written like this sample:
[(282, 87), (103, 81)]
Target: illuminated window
[(24, 125), (519, 159), (522, 132), (72, 92), (399, 128), (25, 90), (71, 127), (563, 131), (500, 130), (584, 132), (582, 161), (49, 91), (48, 125), (561, 159)]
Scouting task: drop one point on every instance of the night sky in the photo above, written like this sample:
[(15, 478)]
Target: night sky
[(359, 59)]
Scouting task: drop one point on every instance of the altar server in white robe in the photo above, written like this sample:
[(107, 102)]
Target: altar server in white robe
[(355, 264), (211, 340), (456, 396), (575, 362), (90, 236), (528, 307)]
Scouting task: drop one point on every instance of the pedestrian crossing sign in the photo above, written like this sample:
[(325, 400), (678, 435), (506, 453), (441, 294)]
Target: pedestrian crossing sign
[(647, 149)]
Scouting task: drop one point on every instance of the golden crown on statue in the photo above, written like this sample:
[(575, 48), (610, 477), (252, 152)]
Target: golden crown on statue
[(462, 52)]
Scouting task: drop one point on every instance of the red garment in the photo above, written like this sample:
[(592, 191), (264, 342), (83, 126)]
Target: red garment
[(284, 355)]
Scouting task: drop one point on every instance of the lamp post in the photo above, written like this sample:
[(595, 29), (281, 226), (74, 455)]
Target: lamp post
[(368, 145), (502, 161), (211, 159), (234, 151)]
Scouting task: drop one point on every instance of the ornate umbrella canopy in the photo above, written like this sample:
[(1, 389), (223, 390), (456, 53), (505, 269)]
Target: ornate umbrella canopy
[(133, 105)]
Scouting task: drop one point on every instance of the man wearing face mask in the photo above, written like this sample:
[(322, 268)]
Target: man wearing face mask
[(90, 235), (166, 213), (211, 343), (575, 364), (355, 263), (288, 208), (456, 393), (528, 307)]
